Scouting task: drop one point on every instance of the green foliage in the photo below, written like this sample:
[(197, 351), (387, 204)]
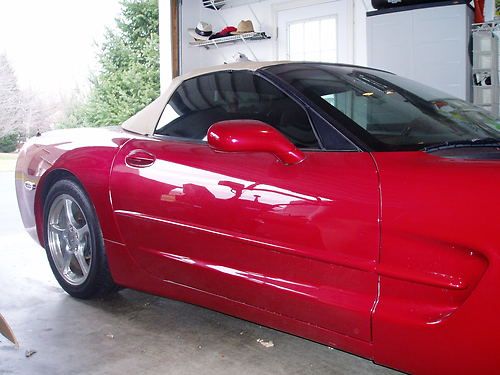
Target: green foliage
[(129, 76), (9, 142)]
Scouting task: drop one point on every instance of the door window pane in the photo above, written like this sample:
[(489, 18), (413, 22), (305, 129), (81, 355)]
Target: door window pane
[(202, 101)]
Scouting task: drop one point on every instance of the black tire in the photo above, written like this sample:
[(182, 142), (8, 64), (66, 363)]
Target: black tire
[(99, 281)]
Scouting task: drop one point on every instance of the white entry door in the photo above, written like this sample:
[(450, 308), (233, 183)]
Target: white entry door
[(316, 31)]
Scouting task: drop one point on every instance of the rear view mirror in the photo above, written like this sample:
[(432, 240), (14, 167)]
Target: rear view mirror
[(252, 136)]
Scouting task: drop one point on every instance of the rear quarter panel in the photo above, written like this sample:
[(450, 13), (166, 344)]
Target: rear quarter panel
[(86, 154)]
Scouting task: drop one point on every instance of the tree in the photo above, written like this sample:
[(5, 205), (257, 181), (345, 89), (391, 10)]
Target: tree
[(9, 142), (129, 75), (22, 114), (12, 109)]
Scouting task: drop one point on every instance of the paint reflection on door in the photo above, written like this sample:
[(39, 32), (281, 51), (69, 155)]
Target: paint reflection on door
[(300, 241)]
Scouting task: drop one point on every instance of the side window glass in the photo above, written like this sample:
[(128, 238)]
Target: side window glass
[(200, 102)]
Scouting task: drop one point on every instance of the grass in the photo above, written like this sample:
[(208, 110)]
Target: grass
[(7, 162)]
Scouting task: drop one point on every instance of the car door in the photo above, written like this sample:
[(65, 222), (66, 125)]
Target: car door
[(298, 240)]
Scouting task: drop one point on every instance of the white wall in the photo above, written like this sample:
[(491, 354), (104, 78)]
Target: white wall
[(189, 16), (195, 57)]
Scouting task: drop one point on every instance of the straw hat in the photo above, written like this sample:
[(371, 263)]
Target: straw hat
[(244, 27)]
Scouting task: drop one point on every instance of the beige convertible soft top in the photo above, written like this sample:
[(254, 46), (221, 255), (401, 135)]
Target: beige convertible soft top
[(144, 121)]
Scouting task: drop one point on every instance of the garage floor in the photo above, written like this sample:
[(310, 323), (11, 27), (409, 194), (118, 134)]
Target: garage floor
[(133, 332)]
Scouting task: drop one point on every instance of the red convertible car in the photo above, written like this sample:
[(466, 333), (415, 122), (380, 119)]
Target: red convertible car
[(343, 204)]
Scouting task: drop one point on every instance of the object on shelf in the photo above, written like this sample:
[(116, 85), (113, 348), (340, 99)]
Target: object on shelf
[(202, 32), (226, 31), (482, 79), (239, 57), (244, 27)]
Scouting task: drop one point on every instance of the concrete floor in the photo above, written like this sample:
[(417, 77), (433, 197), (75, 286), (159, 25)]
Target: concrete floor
[(133, 332)]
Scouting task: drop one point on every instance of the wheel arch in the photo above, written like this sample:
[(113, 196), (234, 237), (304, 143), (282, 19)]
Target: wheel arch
[(43, 189)]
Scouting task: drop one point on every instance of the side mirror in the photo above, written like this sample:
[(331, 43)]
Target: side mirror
[(252, 136)]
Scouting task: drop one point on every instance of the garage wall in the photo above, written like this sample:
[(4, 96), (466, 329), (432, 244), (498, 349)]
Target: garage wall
[(193, 11)]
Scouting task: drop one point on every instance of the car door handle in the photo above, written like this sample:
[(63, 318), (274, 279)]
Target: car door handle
[(140, 159)]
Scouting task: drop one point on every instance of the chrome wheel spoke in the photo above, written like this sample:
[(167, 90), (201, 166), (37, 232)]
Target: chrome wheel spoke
[(83, 233), (56, 229), (66, 262), (82, 262), (68, 205)]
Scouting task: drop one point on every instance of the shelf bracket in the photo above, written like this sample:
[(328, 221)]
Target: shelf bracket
[(250, 49), (221, 53), (212, 2)]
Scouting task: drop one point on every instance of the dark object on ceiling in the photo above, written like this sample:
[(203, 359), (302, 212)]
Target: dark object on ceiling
[(382, 4)]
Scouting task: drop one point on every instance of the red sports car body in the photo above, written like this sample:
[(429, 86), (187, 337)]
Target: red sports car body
[(392, 254)]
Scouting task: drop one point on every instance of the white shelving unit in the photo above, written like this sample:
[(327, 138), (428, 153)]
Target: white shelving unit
[(230, 39), (485, 65), (218, 6)]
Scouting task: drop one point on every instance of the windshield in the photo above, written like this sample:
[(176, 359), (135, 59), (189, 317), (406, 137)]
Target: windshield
[(387, 111)]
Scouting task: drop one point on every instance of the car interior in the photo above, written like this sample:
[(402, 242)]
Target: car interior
[(200, 102)]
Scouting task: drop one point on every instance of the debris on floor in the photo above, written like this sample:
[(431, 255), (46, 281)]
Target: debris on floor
[(266, 344), (132, 317), (29, 353), (6, 331), (110, 336)]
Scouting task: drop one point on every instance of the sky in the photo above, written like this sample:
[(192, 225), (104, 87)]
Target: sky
[(51, 43)]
